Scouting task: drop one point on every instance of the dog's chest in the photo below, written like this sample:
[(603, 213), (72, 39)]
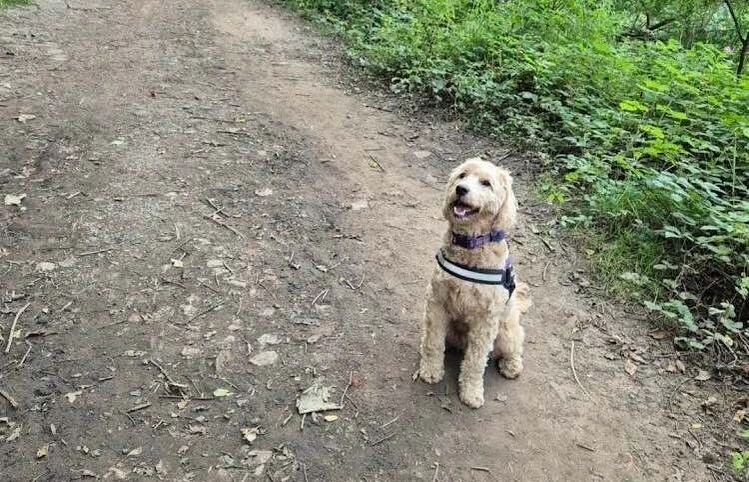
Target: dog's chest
[(467, 299)]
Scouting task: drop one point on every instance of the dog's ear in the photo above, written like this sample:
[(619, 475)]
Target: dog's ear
[(508, 211)]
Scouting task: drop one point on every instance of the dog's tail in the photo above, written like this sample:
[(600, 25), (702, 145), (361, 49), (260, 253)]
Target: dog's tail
[(522, 296)]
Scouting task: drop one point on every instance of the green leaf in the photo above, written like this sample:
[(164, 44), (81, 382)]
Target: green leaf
[(632, 106), (222, 392)]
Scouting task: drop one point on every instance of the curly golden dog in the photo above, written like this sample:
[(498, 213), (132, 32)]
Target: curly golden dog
[(473, 301)]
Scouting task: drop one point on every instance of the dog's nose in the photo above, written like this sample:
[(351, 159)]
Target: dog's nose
[(461, 190)]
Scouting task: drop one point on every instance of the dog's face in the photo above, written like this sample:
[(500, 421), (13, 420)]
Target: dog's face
[(479, 198)]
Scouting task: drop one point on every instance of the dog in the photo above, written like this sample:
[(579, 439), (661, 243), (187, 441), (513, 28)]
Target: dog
[(473, 301)]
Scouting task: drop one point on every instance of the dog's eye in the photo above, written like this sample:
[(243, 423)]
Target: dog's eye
[(486, 183), (461, 175)]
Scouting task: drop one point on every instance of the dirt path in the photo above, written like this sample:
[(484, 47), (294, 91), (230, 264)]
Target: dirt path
[(152, 116)]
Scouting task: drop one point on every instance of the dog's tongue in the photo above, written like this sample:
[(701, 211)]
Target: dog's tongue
[(460, 211)]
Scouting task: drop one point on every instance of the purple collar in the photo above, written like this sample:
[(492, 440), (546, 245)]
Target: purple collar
[(473, 242)]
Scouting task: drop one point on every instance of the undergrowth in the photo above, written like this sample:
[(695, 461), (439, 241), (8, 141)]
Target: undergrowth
[(647, 142), (5, 3)]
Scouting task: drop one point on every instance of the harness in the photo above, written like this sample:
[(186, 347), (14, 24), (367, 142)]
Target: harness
[(489, 276)]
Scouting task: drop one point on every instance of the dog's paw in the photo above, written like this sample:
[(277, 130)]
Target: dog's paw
[(472, 398), (511, 368), (431, 374)]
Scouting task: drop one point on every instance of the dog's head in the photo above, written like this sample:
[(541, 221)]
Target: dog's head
[(479, 198)]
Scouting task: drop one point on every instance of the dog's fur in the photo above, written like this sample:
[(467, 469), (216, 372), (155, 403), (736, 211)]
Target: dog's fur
[(481, 320)]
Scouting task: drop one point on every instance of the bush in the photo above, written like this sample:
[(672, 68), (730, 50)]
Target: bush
[(648, 141)]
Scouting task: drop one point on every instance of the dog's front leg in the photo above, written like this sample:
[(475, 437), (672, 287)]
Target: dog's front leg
[(433, 332), (471, 380)]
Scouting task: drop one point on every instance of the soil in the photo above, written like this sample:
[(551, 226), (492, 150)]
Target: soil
[(218, 216)]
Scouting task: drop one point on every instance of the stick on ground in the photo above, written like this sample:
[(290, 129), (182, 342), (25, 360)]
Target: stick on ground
[(574, 372), (13, 327), (10, 399)]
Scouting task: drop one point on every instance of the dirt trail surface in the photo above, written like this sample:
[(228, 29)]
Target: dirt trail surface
[(214, 221)]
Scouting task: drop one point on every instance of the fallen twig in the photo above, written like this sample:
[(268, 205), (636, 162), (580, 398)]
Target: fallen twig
[(574, 372), (89, 253), (321, 296), (481, 469), (379, 441), (139, 407), (436, 471), (376, 163), (673, 392), (546, 243), (25, 355), (391, 422), (205, 312), (286, 420), (163, 372), (176, 283), (345, 390), (13, 327), (10, 399), (224, 225), (586, 447)]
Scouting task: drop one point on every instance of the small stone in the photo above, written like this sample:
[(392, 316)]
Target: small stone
[(45, 266), (422, 154), (223, 360), (269, 339), (190, 352), (264, 358)]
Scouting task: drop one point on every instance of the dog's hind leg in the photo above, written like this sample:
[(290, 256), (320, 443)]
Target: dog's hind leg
[(433, 332)]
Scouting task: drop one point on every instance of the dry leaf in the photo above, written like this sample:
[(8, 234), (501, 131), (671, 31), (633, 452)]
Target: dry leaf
[(73, 395), (658, 335), (24, 118), (630, 367), (135, 452), (264, 192), (315, 399), (250, 434), (14, 434), (197, 429), (13, 200), (322, 267), (177, 263), (43, 451), (702, 375), (739, 416)]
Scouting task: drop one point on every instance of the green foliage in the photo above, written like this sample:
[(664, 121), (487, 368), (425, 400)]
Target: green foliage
[(4, 3), (740, 463), (647, 142)]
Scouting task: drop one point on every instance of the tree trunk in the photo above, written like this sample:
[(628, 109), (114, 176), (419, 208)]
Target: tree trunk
[(742, 56), (743, 38)]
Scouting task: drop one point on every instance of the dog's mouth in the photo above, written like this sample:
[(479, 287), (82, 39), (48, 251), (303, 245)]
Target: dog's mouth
[(462, 210)]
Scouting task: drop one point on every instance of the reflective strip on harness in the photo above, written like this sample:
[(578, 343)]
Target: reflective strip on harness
[(501, 277)]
